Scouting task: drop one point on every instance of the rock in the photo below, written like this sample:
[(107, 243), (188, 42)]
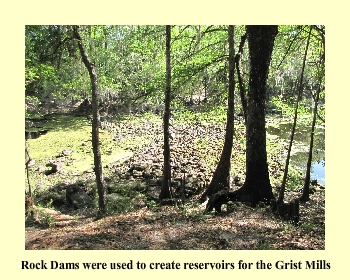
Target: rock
[(152, 182), (158, 174), (175, 183), (139, 201), (136, 173), (147, 175), (31, 163), (138, 167), (141, 187), (227, 236), (77, 198), (114, 198), (41, 169), (29, 124), (55, 167), (66, 152), (40, 187)]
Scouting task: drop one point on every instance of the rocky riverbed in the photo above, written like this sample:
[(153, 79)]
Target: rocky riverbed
[(132, 151)]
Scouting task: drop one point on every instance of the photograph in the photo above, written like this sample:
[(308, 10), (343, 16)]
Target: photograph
[(175, 137)]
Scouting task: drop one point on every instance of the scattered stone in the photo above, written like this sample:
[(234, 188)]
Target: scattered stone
[(152, 182), (147, 175), (77, 198), (175, 184), (55, 167), (137, 174), (66, 152), (138, 167), (31, 163), (41, 169), (227, 236), (114, 197), (139, 201)]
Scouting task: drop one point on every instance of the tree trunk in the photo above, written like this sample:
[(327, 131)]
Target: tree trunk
[(95, 122), (27, 168), (240, 78), (305, 196), (257, 185), (300, 88), (165, 191), (221, 177)]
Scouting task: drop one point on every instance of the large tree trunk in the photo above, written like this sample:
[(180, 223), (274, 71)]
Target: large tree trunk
[(95, 122), (221, 177), (165, 191), (257, 185)]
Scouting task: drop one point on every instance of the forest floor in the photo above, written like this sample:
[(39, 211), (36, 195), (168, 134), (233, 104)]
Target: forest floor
[(170, 228), (196, 142)]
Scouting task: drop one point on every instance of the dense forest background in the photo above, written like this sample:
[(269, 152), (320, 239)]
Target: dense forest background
[(177, 85), (130, 64)]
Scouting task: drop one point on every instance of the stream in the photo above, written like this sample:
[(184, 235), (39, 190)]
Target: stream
[(300, 147), (281, 131)]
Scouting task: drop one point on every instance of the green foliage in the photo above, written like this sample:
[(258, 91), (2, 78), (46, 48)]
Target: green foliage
[(289, 227), (31, 73), (295, 178), (130, 62), (46, 218), (287, 107), (287, 59), (128, 189), (152, 203), (121, 205), (308, 226), (47, 197)]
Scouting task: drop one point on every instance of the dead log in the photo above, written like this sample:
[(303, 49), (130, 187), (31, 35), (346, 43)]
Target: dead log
[(287, 210)]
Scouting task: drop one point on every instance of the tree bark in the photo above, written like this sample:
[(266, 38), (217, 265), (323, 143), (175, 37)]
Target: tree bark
[(306, 189), (242, 91), (27, 168), (165, 191), (95, 122), (221, 177), (257, 185), (300, 89)]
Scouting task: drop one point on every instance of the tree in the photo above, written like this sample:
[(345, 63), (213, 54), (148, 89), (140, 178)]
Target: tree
[(257, 185), (320, 74), (95, 121), (300, 89), (242, 91), (306, 188), (165, 191), (221, 177)]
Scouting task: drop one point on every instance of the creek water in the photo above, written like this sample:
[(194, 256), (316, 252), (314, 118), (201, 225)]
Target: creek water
[(281, 131), (300, 147)]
